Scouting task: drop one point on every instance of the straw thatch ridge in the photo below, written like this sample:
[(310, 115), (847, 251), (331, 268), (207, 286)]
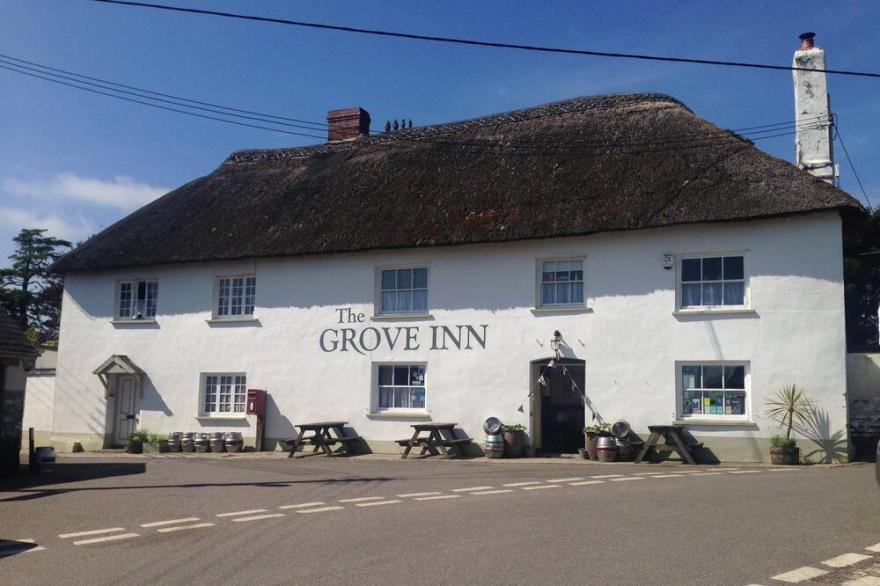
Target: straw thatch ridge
[(579, 167)]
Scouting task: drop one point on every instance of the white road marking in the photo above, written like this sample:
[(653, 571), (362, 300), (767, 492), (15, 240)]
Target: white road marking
[(667, 476), (782, 470), (498, 491), (412, 494), (108, 538), (626, 478), (437, 498), (95, 532), (610, 475), (705, 473), (183, 527), (729, 469), (235, 513), (515, 484), (846, 559), (320, 510), (647, 473), (745, 472), (800, 575), (566, 479), (171, 522), (541, 487), (257, 517), (378, 503), (473, 488), (875, 548), (362, 499), (587, 482), (303, 505)]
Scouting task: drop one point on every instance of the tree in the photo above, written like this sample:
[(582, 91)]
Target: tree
[(861, 276), (30, 292)]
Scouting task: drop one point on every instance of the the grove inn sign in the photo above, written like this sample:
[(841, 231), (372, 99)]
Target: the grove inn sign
[(370, 339)]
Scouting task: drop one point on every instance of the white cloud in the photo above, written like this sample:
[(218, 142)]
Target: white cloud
[(121, 192), (55, 225)]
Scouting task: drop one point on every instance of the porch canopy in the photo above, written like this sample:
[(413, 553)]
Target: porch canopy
[(117, 364)]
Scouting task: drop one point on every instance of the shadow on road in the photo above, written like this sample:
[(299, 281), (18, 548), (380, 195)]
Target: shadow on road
[(9, 547)]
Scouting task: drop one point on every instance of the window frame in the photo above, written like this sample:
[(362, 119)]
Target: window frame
[(375, 390), (679, 283), (539, 282), (135, 283), (378, 309), (215, 305), (203, 392), (680, 415)]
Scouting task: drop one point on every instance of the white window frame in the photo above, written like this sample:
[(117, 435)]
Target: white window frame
[(746, 304), (539, 282), (232, 412), (134, 283), (375, 392), (378, 309), (679, 392), (215, 312)]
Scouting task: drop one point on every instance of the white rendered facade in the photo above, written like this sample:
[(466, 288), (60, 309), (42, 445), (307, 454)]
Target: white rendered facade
[(631, 333)]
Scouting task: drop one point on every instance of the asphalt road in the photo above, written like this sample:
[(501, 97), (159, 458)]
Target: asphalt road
[(274, 521)]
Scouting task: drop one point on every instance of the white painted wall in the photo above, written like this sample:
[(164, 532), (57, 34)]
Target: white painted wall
[(39, 400), (630, 338)]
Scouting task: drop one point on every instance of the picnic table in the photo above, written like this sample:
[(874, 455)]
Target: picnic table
[(323, 435), (677, 443), (435, 438)]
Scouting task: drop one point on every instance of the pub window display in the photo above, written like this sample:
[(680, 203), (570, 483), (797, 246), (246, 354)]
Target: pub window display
[(713, 390)]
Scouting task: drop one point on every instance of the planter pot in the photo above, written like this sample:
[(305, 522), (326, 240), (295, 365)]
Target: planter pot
[(592, 446), (514, 443), (134, 447), (155, 447), (782, 456), (582, 453)]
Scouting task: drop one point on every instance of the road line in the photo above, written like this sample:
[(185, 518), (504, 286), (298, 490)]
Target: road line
[(566, 479), (413, 494), (257, 517), (613, 475), (95, 532), (303, 505), (378, 503), (321, 510), (473, 488), (183, 527), (171, 522), (515, 484), (846, 559), (587, 482), (234, 513), (647, 473), (541, 487), (782, 470), (875, 548), (745, 472), (667, 476), (705, 473), (437, 498), (108, 538), (626, 478), (729, 469), (498, 491), (362, 499), (800, 575)]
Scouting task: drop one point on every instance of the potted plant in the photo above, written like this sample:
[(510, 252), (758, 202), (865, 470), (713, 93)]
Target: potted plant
[(514, 440), (592, 433), (135, 443), (155, 445), (789, 405)]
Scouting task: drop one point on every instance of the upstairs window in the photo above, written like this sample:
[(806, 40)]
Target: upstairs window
[(562, 283), (236, 297), (404, 290), (137, 300), (713, 281), (401, 386), (224, 394)]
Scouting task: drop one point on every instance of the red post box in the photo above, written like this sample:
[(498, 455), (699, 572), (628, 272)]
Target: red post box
[(256, 402)]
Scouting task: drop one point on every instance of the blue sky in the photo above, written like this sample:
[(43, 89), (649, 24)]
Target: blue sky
[(75, 162)]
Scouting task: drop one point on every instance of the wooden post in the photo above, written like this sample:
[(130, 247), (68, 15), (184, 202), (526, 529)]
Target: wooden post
[(33, 465)]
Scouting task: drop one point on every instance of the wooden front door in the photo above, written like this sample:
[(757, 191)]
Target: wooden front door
[(126, 405)]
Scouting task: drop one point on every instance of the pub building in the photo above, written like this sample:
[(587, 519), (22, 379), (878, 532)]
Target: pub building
[(427, 274)]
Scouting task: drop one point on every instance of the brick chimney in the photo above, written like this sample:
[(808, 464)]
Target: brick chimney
[(347, 124), (813, 140)]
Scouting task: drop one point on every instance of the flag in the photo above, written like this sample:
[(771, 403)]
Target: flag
[(520, 409), (542, 381), (551, 364)]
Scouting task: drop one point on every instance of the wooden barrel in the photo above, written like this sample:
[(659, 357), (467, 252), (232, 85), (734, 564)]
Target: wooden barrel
[(606, 449), (494, 445)]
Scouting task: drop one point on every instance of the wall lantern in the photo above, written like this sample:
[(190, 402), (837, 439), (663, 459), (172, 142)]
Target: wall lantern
[(557, 339)]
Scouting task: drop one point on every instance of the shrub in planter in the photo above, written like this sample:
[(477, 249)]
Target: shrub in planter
[(788, 406), (783, 451), (593, 433), (155, 445), (136, 441), (514, 440)]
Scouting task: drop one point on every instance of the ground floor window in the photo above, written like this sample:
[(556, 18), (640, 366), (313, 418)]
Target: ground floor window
[(400, 386), (224, 393), (713, 389)]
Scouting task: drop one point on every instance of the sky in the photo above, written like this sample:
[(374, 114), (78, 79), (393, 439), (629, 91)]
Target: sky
[(75, 162)]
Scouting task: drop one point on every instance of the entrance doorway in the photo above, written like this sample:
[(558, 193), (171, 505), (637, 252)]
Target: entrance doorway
[(125, 409), (558, 406)]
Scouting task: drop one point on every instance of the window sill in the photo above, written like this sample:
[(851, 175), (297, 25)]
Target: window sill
[(232, 320), (561, 310), (714, 422), (133, 322), (718, 311), (401, 316), (222, 417), (399, 414)]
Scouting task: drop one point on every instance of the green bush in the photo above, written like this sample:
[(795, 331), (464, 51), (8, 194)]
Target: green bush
[(139, 435), (598, 429), (777, 441), (515, 427)]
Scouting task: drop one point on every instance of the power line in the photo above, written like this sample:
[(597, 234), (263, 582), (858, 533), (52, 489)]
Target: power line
[(851, 165), (478, 43)]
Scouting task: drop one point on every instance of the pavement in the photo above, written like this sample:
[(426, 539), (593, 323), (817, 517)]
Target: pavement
[(111, 518)]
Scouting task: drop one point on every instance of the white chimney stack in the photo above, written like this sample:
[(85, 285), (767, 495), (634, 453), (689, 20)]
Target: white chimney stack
[(813, 141)]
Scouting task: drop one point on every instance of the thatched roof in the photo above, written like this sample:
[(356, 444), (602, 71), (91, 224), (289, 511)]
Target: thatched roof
[(588, 165), (13, 344)]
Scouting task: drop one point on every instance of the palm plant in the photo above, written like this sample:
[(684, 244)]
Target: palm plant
[(788, 406)]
